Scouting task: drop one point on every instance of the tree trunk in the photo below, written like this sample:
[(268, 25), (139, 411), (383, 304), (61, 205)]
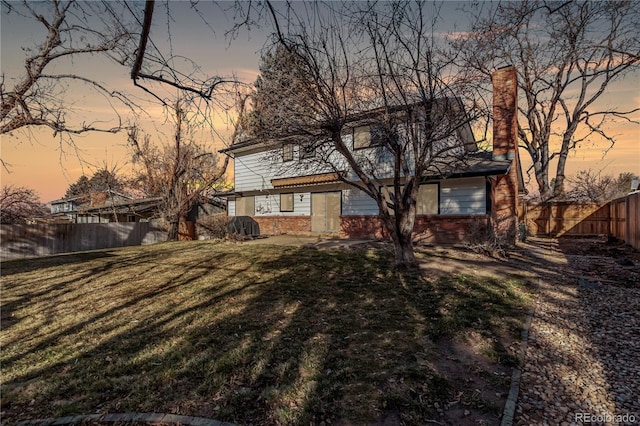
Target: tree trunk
[(558, 184), (401, 229), (404, 255), (174, 227)]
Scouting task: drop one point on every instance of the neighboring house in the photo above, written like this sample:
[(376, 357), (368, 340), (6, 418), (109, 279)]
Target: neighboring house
[(120, 210), (482, 191), (103, 207), (65, 209), (207, 206)]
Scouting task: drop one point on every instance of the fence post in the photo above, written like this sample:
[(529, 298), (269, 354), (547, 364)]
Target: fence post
[(627, 219), (609, 218)]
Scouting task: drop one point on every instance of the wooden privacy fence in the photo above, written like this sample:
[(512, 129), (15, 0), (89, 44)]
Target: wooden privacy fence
[(625, 219), (18, 241), (619, 218)]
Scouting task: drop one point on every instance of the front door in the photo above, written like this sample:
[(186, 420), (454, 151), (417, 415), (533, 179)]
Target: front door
[(325, 211)]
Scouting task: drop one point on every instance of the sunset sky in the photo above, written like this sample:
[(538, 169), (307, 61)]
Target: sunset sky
[(47, 164)]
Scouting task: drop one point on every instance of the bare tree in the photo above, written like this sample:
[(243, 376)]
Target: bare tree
[(594, 187), (180, 172), (18, 204), (374, 65), (567, 54), (73, 30), (152, 65)]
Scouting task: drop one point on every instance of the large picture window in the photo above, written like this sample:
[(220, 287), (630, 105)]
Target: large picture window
[(286, 202), (427, 202)]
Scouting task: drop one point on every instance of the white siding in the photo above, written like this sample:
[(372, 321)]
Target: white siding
[(463, 196), (252, 172), (375, 161), (231, 207), (302, 204), (269, 204), (356, 202)]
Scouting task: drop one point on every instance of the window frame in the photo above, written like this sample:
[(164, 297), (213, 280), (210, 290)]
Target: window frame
[(372, 141), (437, 199), (243, 198), (307, 151), (287, 152), (358, 129), (287, 194)]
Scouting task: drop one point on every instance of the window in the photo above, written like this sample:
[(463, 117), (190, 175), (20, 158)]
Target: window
[(361, 137), (286, 202), (377, 135), (307, 151), (368, 136), (245, 206), (287, 152), (427, 202)]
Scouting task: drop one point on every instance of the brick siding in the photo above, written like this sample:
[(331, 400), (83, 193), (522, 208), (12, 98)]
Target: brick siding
[(277, 225), (427, 228)]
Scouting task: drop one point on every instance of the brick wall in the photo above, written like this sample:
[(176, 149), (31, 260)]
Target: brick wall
[(449, 229), (504, 208), (427, 228), (277, 225)]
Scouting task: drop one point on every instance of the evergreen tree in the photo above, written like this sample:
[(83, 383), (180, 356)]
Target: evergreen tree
[(283, 90), (102, 180)]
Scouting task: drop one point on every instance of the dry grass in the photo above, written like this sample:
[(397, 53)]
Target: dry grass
[(250, 334)]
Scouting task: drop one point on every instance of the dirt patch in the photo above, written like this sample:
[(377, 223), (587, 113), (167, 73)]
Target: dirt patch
[(602, 260)]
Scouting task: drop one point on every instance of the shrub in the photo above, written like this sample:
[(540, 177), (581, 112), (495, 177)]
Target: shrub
[(212, 226)]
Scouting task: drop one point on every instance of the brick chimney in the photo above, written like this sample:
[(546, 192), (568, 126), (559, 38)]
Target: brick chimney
[(504, 209), (505, 113)]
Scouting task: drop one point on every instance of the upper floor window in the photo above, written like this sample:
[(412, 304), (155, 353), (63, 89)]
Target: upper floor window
[(307, 151), (287, 152), (368, 136)]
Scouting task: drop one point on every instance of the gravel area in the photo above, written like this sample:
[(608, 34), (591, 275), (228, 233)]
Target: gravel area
[(582, 363)]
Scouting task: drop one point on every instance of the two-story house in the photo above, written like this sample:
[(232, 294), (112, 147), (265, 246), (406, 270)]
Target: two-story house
[(480, 191), (66, 208)]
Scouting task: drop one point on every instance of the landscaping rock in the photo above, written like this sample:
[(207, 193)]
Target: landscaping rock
[(583, 354)]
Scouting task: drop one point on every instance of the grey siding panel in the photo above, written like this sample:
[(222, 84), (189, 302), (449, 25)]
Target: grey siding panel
[(231, 207), (252, 172), (301, 204), (356, 202), (463, 196)]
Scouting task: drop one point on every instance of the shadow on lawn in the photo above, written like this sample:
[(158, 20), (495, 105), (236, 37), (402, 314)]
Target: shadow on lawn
[(267, 335)]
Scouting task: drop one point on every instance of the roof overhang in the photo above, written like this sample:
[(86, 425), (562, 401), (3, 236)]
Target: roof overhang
[(471, 167), (305, 180)]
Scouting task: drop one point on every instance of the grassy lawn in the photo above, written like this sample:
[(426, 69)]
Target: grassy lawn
[(252, 334)]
